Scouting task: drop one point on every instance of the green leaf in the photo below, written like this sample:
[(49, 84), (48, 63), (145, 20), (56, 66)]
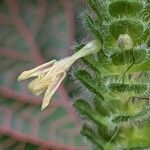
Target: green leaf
[(95, 6), (135, 119), (92, 136), (87, 80), (133, 28), (125, 8), (128, 56), (102, 107), (87, 111), (122, 87), (93, 27)]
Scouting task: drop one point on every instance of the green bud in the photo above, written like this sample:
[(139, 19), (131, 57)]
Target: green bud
[(125, 41)]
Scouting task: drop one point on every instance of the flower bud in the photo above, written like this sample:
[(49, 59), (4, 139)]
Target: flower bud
[(125, 41)]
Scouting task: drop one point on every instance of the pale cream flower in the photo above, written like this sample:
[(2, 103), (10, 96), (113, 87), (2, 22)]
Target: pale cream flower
[(50, 75)]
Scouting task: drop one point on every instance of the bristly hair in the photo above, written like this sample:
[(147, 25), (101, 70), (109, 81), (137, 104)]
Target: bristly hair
[(117, 77)]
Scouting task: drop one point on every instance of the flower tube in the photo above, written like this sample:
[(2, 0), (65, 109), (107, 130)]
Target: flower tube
[(49, 76)]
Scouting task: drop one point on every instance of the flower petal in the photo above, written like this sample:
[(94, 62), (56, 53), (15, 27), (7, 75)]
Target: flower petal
[(36, 88), (38, 71), (51, 89)]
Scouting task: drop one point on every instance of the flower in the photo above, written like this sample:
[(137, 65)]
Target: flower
[(49, 76)]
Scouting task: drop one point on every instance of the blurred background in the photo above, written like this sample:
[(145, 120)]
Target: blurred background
[(33, 32)]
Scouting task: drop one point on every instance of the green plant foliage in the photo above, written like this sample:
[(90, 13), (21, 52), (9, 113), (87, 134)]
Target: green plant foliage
[(127, 57), (133, 119), (122, 87), (121, 8), (118, 76), (91, 135), (121, 26)]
